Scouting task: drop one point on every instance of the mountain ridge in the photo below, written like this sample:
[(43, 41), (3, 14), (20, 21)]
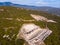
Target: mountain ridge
[(47, 9)]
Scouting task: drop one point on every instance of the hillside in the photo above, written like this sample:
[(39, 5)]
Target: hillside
[(12, 18)]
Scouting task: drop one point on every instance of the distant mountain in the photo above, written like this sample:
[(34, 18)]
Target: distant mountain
[(51, 10), (5, 3)]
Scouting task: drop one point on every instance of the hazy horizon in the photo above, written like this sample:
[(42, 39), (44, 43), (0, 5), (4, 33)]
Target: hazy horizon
[(50, 3)]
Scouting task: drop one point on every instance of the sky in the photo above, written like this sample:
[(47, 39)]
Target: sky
[(51, 3)]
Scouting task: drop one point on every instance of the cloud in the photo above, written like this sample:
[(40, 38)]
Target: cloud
[(43, 3), (3, 0), (39, 3)]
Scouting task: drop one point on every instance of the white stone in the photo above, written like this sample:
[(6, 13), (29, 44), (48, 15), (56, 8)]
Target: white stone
[(51, 21), (33, 33), (6, 36), (41, 18)]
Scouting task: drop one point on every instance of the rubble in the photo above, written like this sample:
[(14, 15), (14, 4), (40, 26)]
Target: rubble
[(41, 18), (33, 34)]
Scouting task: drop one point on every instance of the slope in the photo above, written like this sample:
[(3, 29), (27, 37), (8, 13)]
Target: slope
[(12, 18)]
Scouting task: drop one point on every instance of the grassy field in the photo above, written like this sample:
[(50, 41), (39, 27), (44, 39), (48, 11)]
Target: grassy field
[(12, 26)]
